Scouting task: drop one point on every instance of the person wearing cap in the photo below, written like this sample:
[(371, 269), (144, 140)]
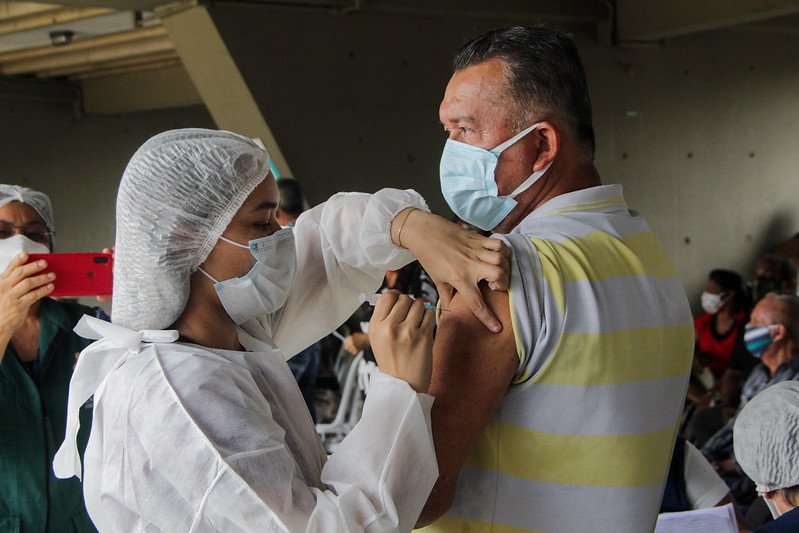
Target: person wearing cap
[(198, 422), (37, 355), (766, 437)]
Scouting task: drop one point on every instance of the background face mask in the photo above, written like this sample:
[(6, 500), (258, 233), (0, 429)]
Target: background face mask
[(265, 288), (469, 186), (757, 339), (770, 503), (15, 245), (711, 303)]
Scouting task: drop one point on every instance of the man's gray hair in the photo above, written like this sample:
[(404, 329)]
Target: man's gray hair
[(545, 76), (787, 313)]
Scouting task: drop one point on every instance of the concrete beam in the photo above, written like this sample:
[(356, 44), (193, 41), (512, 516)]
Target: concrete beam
[(560, 10), (13, 10), (47, 18), (118, 5), (659, 20), (139, 91), (217, 78)]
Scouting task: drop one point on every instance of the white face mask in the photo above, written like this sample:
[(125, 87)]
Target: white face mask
[(711, 303), (265, 288), (13, 246), (770, 503)]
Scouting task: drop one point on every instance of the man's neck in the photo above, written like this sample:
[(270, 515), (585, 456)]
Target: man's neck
[(561, 181), (779, 355)]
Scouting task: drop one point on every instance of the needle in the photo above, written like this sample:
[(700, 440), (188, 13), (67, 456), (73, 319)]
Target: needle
[(372, 300)]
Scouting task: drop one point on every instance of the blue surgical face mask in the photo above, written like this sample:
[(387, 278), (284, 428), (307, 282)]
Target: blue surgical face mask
[(265, 288), (468, 184), (757, 339)]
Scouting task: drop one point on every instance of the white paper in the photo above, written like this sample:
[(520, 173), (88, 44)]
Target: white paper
[(712, 520)]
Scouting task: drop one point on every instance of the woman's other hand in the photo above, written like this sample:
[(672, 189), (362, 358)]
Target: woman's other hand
[(357, 342), (106, 297), (457, 259), (21, 285), (401, 335)]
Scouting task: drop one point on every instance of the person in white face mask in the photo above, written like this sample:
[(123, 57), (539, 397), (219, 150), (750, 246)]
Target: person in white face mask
[(37, 356), (198, 422), (725, 303), (766, 437)]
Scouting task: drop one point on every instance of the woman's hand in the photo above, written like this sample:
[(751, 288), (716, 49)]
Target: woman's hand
[(457, 259), (21, 285), (106, 297), (401, 333), (357, 342)]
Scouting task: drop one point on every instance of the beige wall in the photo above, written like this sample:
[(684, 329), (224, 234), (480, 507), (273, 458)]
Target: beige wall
[(352, 100), (704, 136)]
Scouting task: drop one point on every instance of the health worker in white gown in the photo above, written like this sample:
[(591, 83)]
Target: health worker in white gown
[(198, 424)]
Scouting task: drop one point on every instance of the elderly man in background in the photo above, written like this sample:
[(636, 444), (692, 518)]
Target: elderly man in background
[(772, 336), (766, 437), (565, 420)]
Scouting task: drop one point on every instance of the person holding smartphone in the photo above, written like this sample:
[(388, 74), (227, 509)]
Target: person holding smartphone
[(38, 350)]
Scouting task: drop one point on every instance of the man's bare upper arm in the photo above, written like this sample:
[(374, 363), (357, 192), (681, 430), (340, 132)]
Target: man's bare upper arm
[(472, 369)]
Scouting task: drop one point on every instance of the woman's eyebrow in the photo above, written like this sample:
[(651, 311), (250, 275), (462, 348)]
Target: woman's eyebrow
[(266, 205)]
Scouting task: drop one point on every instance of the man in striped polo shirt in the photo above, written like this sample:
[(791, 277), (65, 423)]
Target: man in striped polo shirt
[(565, 420)]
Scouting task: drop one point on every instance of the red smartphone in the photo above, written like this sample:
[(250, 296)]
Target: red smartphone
[(81, 274)]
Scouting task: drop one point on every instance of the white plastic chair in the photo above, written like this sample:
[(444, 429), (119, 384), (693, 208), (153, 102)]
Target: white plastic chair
[(350, 406)]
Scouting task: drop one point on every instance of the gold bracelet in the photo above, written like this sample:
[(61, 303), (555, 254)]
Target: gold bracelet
[(399, 232)]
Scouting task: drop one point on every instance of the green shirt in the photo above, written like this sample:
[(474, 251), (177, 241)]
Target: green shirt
[(33, 415)]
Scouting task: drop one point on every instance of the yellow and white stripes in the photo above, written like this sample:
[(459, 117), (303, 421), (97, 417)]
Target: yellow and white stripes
[(604, 335)]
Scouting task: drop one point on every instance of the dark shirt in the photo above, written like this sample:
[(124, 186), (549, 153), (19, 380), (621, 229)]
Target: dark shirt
[(33, 412), (719, 446), (787, 523)]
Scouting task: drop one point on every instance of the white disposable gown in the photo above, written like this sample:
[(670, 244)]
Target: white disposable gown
[(187, 438)]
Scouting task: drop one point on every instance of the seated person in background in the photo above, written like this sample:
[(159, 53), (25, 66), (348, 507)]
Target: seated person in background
[(304, 365), (201, 426), (789, 250), (694, 484), (766, 438), (38, 350), (726, 304), (772, 335), (771, 274)]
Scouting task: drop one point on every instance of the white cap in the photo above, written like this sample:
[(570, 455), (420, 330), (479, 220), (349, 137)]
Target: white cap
[(177, 195), (766, 437), (37, 200)]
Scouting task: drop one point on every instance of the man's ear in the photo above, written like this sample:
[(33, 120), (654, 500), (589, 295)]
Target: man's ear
[(779, 332), (548, 144)]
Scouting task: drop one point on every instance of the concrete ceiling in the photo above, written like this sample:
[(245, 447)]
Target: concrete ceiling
[(107, 37)]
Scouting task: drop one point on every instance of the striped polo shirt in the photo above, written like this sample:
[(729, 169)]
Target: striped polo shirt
[(583, 438)]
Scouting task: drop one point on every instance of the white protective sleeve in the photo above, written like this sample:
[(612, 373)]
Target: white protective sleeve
[(377, 480), (343, 249)]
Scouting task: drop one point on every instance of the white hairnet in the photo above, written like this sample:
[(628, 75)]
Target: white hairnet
[(766, 436), (178, 194), (37, 200)]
